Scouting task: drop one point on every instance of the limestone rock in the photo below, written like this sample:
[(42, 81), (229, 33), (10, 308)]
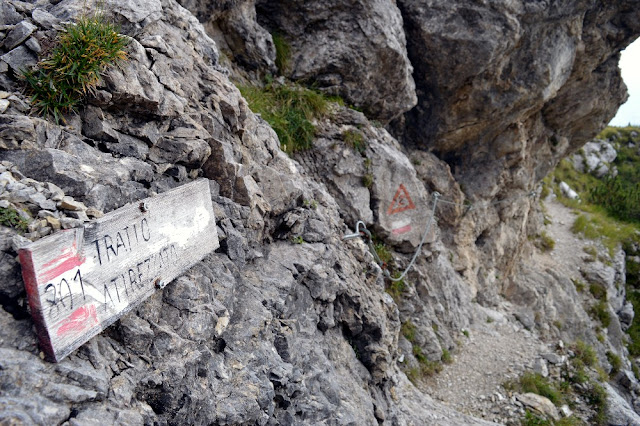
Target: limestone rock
[(567, 191), (19, 59), (338, 43), (18, 34), (618, 410), (594, 157), (540, 404)]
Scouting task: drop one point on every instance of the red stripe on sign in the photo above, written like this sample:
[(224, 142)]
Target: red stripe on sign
[(80, 320), (69, 259), (33, 296), (402, 230)]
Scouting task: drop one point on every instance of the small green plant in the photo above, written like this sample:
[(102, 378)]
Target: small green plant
[(408, 330), (580, 285), (600, 312), (596, 397), (11, 218), (395, 289), (615, 361), (283, 52), (82, 53), (600, 337), (489, 320), (447, 358), (310, 204), (427, 368), (465, 332), (558, 324), (297, 240), (585, 353), (598, 291), (531, 419), (355, 140), (367, 180), (592, 252), (545, 242), (290, 110), (384, 253), (536, 383)]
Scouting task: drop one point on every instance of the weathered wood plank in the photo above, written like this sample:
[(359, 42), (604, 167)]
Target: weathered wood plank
[(81, 280)]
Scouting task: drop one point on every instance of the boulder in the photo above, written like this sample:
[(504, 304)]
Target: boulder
[(539, 404)]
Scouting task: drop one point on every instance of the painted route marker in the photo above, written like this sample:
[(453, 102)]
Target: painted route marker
[(401, 201), (81, 280)]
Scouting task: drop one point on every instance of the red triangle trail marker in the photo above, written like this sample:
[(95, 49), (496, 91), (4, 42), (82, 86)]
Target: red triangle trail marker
[(401, 201)]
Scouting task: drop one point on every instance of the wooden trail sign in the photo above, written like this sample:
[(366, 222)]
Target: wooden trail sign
[(81, 280)]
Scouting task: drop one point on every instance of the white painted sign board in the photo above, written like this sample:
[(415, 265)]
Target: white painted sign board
[(81, 280)]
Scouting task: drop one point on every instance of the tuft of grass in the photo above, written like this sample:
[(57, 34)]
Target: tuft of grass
[(447, 358), (82, 53), (598, 226), (633, 295), (580, 285), (598, 291), (615, 361), (408, 330), (536, 383), (592, 252), (283, 52), (596, 397), (367, 180), (545, 242), (427, 368), (290, 110), (383, 253), (11, 218), (395, 289), (585, 353), (355, 140), (531, 419), (600, 312)]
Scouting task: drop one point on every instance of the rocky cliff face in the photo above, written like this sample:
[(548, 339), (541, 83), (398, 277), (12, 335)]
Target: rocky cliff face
[(480, 101)]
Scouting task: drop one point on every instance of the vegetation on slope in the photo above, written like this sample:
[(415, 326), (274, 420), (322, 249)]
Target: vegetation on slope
[(610, 212), (83, 51)]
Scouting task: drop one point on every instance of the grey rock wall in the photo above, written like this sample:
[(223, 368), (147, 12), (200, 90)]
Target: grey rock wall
[(286, 323)]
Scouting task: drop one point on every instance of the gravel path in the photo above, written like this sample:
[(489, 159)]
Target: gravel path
[(499, 348)]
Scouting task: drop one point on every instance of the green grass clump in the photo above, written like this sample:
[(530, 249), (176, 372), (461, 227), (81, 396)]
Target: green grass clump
[(545, 242), (633, 296), (615, 361), (596, 397), (408, 330), (447, 358), (598, 226), (536, 383), (531, 419), (427, 368), (355, 140), (580, 285), (619, 196), (82, 53), (395, 288), (585, 353), (383, 253), (11, 218), (283, 52), (600, 312), (289, 110), (598, 291)]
